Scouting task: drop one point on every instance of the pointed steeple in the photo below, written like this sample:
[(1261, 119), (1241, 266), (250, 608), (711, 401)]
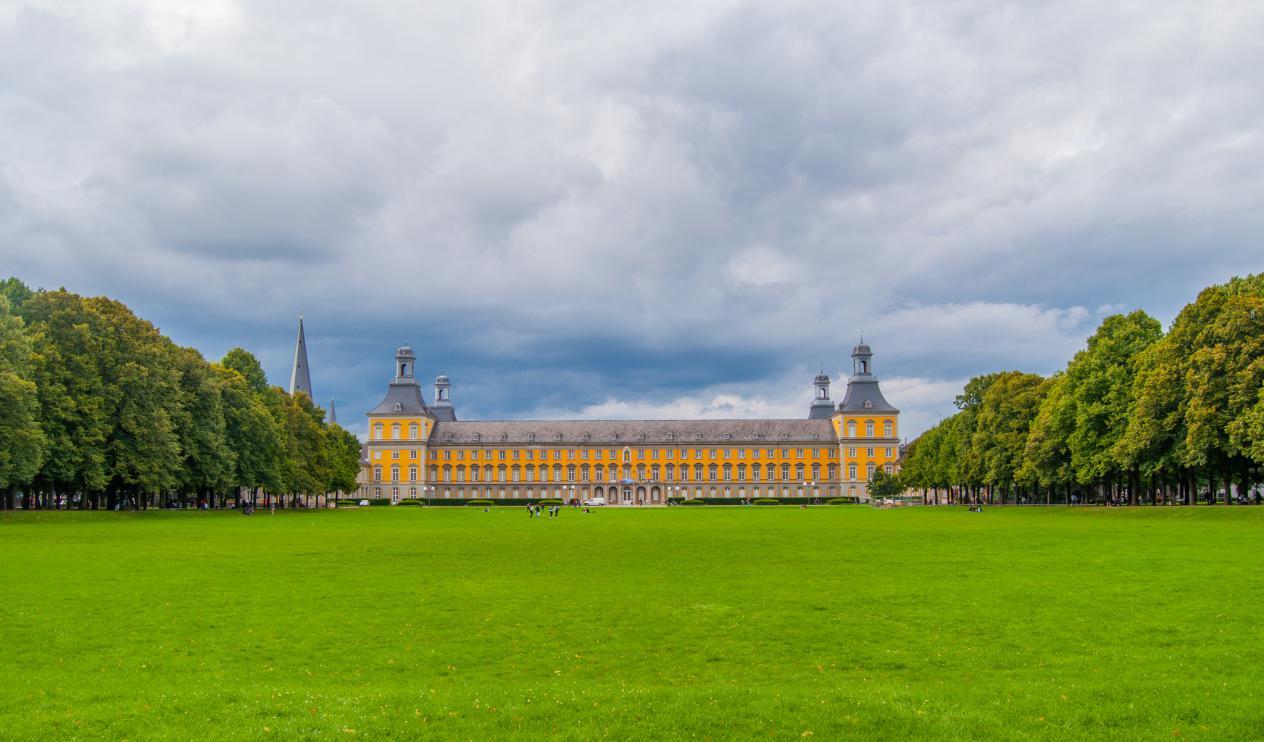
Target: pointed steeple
[(333, 414), (300, 376)]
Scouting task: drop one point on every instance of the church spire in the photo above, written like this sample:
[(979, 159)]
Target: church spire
[(333, 414), (300, 377)]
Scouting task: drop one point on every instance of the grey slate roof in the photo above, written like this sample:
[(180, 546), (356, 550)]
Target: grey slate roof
[(821, 409), (443, 412), (407, 396), (632, 432), (864, 388)]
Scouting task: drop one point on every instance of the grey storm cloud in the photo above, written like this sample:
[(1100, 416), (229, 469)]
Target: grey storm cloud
[(613, 209)]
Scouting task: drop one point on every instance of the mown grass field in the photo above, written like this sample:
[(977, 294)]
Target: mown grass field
[(700, 623)]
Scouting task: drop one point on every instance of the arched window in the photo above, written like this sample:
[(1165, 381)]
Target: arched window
[(851, 471), (671, 472), (785, 472), (798, 472), (655, 473), (434, 473), (570, 472), (851, 428), (377, 431), (487, 473), (869, 471), (741, 472), (627, 456), (584, 472), (754, 472), (600, 472), (833, 471), (557, 472), (460, 474), (869, 428), (395, 431), (412, 431), (377, 474), (886, 429), (517, 473), (713, 472), (394, 473), (412, 474), (501, 473), (697, 472), (728, 472)]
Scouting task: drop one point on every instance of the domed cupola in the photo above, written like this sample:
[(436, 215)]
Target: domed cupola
[(822, 407), (442, 407)]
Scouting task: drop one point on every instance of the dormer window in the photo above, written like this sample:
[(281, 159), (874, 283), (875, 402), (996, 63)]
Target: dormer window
[(398, 406), (531, 436), (477, 436), (504, 436), (868, 404)]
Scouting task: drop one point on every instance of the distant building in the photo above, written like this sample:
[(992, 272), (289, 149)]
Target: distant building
[(420, 450), (300, 375)]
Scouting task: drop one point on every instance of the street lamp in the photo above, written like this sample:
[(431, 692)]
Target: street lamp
[(431, 490)]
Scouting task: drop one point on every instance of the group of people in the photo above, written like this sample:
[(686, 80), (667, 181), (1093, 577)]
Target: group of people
[(535, 510)]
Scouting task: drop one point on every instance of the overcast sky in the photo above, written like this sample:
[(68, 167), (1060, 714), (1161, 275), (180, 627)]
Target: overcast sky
[(603, 209)]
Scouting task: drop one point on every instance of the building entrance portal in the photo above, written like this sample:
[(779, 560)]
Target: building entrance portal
[(626, 497)]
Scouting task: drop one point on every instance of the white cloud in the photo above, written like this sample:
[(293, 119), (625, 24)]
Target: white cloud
[(618, 188)]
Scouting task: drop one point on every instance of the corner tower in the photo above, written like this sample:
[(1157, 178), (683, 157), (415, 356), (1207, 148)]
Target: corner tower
[(399, 428), (867, 426)]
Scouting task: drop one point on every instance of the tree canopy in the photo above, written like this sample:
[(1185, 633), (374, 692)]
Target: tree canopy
[(1137, 413), (95, 403)]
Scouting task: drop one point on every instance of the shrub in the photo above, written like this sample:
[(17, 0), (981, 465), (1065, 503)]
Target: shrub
[(549, 501), (410, 501), (767, 501), (480, 503), (693, 502), (842, 501)]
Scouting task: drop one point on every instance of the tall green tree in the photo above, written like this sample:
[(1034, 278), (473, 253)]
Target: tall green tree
[(1005, 412), (67, 337), (22, 441)]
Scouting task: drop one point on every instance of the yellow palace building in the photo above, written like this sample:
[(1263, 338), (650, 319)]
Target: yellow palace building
[(422, 451)]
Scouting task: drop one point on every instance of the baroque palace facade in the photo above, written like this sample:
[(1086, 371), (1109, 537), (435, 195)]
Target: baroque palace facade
[(419, 450)]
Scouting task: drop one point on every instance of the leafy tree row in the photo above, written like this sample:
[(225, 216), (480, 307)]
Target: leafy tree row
[(1137, 416), (99, 409)]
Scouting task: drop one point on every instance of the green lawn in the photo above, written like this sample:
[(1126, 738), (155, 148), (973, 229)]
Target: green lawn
[(693, 623)]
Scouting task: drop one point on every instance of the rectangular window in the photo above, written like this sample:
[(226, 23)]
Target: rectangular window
[(770, 453), (502, 454), (798, 453), (570, 453), (640, 453), (394, 454), (671, 453), (785, 453), (515, 453), (412, 454), (584, 454), (851, 452), (741, 453), (869, 452), (888, 453), (447, 455), (712, 453)]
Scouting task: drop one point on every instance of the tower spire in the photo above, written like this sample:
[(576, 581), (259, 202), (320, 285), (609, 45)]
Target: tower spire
[(300, 376)]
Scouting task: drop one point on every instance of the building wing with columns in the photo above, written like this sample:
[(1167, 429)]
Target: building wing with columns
[(417, 450)]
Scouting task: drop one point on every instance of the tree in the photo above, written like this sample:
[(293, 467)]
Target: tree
[(1046, 458), (343, 457), (244, 363), (883, 486), (66, 337), (22, 441), (1005, 412)]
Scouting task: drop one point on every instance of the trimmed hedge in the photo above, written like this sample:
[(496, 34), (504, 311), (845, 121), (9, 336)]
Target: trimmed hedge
[(480, 503), (767, 501), (692, 502), (842, 501), (549, 501)]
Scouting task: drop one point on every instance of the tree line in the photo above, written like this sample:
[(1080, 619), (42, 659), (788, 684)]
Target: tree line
[(99, 409), (1138, 416)]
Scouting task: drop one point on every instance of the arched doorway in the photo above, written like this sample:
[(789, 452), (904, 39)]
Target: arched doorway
[(655, 495)]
